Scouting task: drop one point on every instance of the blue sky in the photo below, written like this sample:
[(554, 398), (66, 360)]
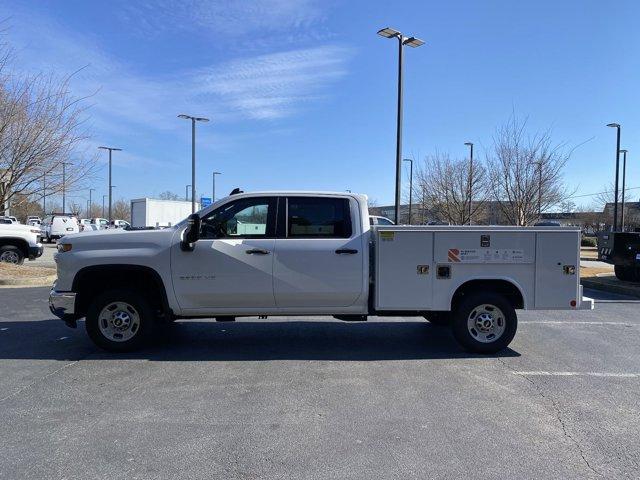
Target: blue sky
[(301, 94)]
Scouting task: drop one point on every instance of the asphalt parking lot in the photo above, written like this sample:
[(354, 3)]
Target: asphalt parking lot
[(319, 398)]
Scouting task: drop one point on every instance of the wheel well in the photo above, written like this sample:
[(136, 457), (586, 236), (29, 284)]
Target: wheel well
[(23, 245), (91, 281), (503, 287)]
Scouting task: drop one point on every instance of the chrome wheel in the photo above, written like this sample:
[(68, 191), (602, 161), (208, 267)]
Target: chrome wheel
[(486, 323), (10, 257), (119, 321)]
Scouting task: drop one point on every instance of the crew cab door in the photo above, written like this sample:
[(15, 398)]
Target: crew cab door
[(319, 253), (231, 265)]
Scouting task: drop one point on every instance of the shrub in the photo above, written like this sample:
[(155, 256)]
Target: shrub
[(589, 242)]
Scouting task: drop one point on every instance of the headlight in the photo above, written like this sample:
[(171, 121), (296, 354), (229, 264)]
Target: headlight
[(64, 247)]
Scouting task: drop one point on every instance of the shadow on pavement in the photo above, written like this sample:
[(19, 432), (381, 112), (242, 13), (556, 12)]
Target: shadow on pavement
[(246, 341)]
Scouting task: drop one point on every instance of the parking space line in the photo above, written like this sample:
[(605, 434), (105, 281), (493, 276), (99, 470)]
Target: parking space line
[(569, 322), (577, 374)]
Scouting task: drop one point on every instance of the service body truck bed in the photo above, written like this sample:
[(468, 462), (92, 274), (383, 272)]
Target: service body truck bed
[(313, 253)]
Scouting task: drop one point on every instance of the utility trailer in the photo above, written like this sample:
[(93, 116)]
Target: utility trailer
[(621, 249)]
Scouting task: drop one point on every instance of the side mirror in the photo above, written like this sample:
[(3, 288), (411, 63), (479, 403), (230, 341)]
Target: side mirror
[(191, 234)]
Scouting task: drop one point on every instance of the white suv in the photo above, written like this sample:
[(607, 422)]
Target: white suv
[(57, 225)]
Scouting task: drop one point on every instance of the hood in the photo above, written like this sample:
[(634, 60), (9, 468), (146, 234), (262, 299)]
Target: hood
[(117, 238), (5, 228)]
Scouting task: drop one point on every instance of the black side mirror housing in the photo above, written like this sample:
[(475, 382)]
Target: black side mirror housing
[(191, 233)]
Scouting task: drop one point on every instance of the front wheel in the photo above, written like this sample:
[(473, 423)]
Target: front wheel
[(120, 320), (11, 254), (484, 323)]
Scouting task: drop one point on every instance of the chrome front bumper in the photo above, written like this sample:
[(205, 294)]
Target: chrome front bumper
[(62, 304)]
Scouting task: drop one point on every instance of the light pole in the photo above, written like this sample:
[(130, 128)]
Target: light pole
[(624, 174), (410, 185), (539, 165), (615, 201), (186, 193), (213, 189), (44, 193), (90, 202), (64, 185), (103, 197), (412, 42), (111, 149), (193, 155), (470, 145)]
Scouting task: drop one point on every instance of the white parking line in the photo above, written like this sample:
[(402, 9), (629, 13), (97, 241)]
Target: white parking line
[(577, 374), (567, 322)]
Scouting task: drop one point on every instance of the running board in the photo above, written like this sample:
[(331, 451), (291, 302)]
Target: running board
[(351, 318)]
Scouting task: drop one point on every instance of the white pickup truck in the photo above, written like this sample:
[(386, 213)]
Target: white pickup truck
[(311, 253), (18, 242)]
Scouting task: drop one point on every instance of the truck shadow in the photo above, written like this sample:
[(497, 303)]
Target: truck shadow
[(247, 341)]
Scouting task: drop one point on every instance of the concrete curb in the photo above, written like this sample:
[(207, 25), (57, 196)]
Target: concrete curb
[(612, 285), (28, 282)]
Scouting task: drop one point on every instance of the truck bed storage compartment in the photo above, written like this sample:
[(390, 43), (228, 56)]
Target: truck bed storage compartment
[(404, 270)]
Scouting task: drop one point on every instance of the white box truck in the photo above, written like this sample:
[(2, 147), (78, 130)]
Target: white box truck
[(313, 253), (152, 212)]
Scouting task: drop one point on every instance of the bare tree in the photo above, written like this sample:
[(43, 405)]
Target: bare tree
[(41, 127), (122, 210), (444, 185), (168, 195), (524, 168)]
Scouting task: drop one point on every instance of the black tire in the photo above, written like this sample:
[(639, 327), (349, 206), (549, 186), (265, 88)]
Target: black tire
[(11, 254), (441, 319), (463, 333), (138, 305), (627, 274)]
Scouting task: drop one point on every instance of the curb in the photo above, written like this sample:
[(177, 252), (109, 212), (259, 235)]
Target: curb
[(623, 288), (28, 282)]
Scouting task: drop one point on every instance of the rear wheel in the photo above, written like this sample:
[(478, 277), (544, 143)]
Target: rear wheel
[(627, 274), (11, 254), (120, 320), (484, 323)]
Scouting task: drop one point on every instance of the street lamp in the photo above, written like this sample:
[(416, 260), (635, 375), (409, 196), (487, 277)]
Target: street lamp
[(539, 165), (44, 193), (103, 197), (90, 202), (410, 185), (624, 174), (64, 185), (193, 155), (412, 42), (470, 145), (213, 190), (111, 149), (615, 202), (186, 192)]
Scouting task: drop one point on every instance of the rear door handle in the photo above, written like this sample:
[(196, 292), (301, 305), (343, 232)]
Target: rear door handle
[(258, 251), (349, 251)]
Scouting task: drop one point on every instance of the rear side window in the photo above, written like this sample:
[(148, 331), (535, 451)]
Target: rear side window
[(309, 217)]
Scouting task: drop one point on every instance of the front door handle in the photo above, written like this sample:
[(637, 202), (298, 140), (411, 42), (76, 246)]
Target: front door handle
[(349, 251), (258, 251)]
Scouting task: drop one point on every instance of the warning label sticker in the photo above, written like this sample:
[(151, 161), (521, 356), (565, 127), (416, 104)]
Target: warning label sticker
[(485, 255), (387, 236)]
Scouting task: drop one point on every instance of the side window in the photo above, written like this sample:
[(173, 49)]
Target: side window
[(384, 221), (318, 217), (244, 218)]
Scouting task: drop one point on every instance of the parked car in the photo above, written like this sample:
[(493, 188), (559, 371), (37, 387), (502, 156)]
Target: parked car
[(18, 242), (34, 218), (57, 225), (101, 223), (9, 219), (121, 224), (377, 220), (306, 253), (85, 224)]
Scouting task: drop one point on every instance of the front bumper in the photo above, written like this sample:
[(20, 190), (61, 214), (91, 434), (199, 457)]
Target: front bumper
[(35, 252), (62, 304)]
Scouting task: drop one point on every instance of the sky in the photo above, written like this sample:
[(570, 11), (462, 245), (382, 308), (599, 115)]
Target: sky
[(302, 93)]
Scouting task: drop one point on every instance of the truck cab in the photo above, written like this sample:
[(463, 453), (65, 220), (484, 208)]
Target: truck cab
[(301, 253)]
